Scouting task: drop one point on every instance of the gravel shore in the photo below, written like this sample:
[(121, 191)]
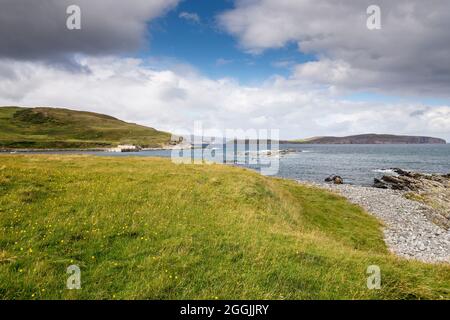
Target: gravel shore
[(408, 231)]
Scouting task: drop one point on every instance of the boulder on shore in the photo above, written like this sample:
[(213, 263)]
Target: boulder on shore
[(335, 179), (377, 183)]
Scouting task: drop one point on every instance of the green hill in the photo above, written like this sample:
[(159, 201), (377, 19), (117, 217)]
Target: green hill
[(58, 128), (143, 228)]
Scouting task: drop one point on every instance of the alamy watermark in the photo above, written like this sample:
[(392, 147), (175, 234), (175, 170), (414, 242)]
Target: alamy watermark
[(374, 278), (74, 280), (374, 19), (73, 21), (257, 148)]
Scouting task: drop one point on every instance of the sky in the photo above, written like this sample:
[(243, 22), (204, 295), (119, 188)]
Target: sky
[(305, 67), (191, 34)]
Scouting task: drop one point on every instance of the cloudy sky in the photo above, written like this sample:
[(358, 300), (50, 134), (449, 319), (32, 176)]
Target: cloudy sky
[(306, 67)]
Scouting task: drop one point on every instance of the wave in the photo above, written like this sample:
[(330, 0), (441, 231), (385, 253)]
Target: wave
[(389, 171)]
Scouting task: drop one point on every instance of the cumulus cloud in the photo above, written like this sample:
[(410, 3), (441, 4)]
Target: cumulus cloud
[(191, 17), (409, 55), (36, 30), (173, 100)]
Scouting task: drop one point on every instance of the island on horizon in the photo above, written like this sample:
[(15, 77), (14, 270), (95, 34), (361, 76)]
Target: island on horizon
[(60, 128), (371, 138)]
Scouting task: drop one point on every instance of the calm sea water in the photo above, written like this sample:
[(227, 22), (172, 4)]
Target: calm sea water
[(357, 164), (360, 164)]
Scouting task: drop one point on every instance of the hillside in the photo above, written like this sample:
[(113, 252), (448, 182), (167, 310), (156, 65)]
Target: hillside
[(39, 128), (143, 228), (373, 139)]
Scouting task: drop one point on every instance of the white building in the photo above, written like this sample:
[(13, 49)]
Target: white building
[(125, 148)]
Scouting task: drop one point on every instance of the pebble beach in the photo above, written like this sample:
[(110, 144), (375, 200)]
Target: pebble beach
[(409, 231)]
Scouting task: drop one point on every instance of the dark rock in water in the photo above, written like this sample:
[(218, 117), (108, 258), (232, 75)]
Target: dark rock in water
[(338, 180), (287, 151), (404, 173), (377, 183), (335, 179), (400, 172)]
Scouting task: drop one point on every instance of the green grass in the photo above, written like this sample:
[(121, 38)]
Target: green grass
[(143, 228), (62, 128)]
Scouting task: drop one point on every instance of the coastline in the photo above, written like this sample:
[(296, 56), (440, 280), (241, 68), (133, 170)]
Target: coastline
[(409, 231), (8, 151), (128, 212), (408, 228), (52, 150)]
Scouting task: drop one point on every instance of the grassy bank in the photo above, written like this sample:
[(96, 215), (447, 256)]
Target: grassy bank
[(54, 128), (146, 228)]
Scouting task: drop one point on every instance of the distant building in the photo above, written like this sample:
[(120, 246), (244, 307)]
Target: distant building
[(125, 148)]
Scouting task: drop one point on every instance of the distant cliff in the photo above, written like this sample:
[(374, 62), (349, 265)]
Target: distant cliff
[(373, 139)]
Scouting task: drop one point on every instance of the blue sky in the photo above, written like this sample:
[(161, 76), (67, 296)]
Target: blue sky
[(216, 54), (393, 80), (212, 51)]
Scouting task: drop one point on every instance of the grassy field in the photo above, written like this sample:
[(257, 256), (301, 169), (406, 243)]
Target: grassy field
[(143, 228), (62, 128)]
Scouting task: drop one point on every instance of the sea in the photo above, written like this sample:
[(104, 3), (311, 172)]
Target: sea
[(356, 164)]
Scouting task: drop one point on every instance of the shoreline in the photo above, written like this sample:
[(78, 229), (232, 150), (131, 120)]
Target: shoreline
[(13, 151), (50, 150), (408, 229), (266, 226)]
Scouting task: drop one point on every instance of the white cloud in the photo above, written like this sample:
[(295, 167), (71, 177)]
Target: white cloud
[(409, 55), (190, 16), (173, 99)]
